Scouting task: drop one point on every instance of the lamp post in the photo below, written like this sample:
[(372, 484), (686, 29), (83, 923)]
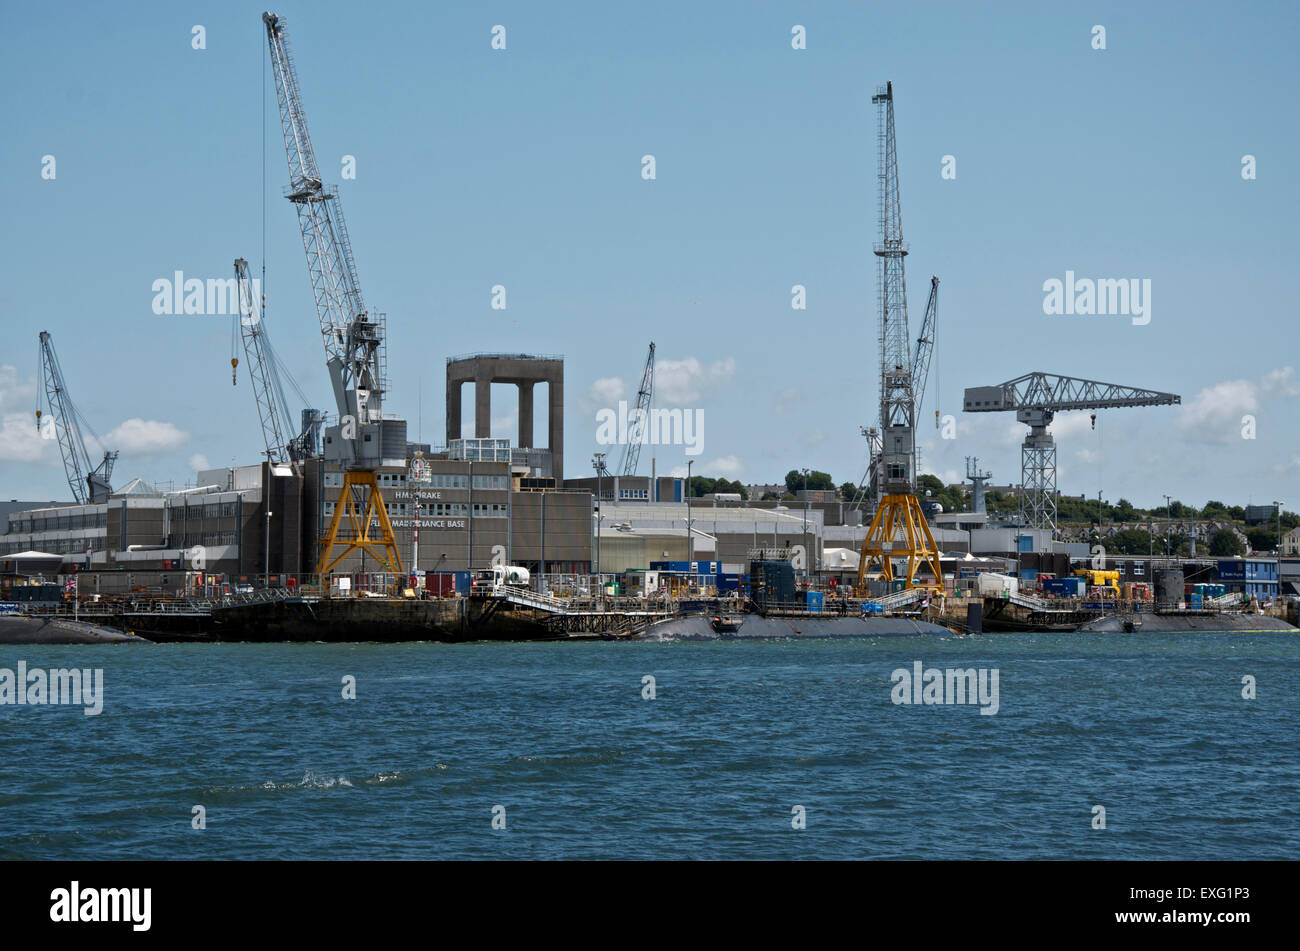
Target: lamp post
[(1277, 507), (690, 539), (1169, 529), (266, 547), (806, 556), (598, 463)]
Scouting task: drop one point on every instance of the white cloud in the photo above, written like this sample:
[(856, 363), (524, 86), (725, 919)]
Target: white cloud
[(1064, 425), (137, 435), (16, 395), (603, 394), (199, 462), (682, 382), (1282, 380), (1214, 414), (20, 442), (725, 467)]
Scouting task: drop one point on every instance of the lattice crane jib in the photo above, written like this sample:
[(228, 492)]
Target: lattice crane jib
[(88, 483), (640, 418), (272, 407), (924, 347)]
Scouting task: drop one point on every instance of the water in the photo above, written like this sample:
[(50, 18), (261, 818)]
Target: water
[(1153, 727)]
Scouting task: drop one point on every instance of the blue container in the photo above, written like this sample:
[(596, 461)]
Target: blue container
[(1194, 600), (815, 600)]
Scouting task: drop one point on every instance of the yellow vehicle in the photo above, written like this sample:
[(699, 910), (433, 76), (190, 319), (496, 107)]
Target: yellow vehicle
[(1099, 579)]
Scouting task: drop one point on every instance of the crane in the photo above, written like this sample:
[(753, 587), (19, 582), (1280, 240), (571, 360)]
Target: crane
[(636, 429), (265, 371), (87, 484), (898, 529), (925, 348), (1036, 398), (364, 438)]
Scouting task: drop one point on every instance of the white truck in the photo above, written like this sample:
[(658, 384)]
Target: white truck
[(492, 580)]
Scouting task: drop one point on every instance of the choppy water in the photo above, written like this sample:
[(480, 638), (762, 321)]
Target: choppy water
[(1152, 727)]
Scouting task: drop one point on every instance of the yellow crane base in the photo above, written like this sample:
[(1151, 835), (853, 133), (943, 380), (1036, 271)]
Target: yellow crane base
[(899, 530), (383, 548)]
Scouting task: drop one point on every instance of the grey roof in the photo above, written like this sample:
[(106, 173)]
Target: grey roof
[(139, 488)]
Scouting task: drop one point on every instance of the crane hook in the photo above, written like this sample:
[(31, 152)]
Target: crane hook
[(234, 362)]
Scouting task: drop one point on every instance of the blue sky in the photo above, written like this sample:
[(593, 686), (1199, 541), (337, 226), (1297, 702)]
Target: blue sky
[(522, 167)]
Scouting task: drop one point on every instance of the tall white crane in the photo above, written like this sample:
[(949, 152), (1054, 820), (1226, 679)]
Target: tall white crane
[(88, 484), (364, 438), (898, 529)]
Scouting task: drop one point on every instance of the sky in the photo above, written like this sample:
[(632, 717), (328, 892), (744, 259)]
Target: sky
[(523, 167)]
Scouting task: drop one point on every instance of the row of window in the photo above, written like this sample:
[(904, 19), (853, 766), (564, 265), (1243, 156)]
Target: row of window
[(437, 480), (57, 523), (209, 510), (430, 509), (62, 546), (206, 539)]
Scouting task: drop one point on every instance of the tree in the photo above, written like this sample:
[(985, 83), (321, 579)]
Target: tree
[(1124, 511), (1225, 543), (847, 491), (795, 480), (703, 485), (1262, 537), (1130, 541)]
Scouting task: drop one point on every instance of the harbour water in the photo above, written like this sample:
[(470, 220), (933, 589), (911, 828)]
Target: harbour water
[(1153, 728)]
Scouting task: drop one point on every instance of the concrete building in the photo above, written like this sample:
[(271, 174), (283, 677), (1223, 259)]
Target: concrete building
[(632, 488), (1253, 577), (525, 371)]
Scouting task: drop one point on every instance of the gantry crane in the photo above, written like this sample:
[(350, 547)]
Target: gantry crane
[(1036, 398), (87, 484), (640, 417), (898, 529), (364, 438)]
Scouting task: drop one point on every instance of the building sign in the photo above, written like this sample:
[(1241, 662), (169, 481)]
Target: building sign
[(419, 470), (428, 523), (405, 495)]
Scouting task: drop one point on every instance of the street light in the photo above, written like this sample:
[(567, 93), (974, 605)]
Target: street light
[(807, 558), (1277, 507), (690, 539), (598, 463), (266, 549)]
